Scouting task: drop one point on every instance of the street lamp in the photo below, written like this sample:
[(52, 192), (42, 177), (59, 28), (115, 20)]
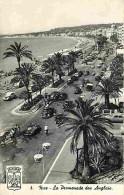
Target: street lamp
[(38, 157)]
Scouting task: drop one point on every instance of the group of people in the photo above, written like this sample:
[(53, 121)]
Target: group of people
[(15, 131)]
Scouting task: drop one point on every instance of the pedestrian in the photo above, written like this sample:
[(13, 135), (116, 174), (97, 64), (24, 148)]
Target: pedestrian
[(46, 129), (12, 132), (17, 129)]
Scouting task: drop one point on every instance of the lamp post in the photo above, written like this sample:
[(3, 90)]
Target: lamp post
[(38, 157)]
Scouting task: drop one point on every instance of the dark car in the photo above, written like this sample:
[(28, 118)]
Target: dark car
[(74, 78), (63, 96), (78, 74), (77, 90), (32, 129), (55, 96), (68, 104), (47, 112), (60, 118)]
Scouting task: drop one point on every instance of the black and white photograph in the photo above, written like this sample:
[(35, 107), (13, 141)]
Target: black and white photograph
[(61, 92)]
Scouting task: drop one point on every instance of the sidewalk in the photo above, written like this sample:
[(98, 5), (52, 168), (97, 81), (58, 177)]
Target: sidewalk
[(63, 164)]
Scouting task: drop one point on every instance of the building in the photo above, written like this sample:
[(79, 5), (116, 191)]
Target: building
[(120, 34)]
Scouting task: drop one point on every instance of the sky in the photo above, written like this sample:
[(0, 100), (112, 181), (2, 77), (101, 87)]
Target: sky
[(23, 16)]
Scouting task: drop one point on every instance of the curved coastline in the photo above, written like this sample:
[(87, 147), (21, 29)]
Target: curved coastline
[(32, 42)]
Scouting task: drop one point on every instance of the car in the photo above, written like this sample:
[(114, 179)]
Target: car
[(9, 96), (69, 81), (97, 77), (118, 118), (32, 129), (99, 65), (74, 78), (89, 86), (68, 104), (47, 112), (54, 95), (77, 90), (93, 74), (63, 96), (78, 74), (60, 118)]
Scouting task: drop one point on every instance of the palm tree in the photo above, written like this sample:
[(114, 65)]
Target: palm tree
[(88, 122), (18, 51), (106, 88), (50, 64), (39, 81), (58, 59), (25, 71), (72, 58)]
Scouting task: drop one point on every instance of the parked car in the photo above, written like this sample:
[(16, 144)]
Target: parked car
[(99, 65), (32, 129), (69, 81), (74, 78), (78, 74), (77, 90), (54, 95), (118, 118), (63, 96), (89, 86), (68, 104), (9, 96), (93, 74), (47, 112)]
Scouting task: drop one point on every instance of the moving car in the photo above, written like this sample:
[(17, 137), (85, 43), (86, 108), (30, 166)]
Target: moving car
[(47, 112), (9, 96), (77, 90), (60, 118), (32, 129)]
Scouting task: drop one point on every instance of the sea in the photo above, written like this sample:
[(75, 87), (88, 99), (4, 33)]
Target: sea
[(40, 47)]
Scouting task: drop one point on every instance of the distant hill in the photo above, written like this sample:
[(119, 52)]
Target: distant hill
[(82, 28)]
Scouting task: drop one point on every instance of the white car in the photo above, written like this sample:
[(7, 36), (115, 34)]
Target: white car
[(9, 96)]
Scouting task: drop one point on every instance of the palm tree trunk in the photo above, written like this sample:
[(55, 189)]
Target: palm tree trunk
[(86, 168), (59, 76), (53, 76), (107, 100), (19, 63)]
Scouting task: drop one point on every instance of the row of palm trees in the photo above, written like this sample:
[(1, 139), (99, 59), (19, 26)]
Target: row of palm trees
[(55, 64), (58, 63)]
